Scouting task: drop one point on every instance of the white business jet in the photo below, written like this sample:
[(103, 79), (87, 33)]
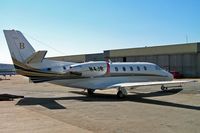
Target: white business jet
[(91, 75)]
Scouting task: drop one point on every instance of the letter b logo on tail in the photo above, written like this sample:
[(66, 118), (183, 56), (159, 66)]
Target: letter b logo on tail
[(21, 45)]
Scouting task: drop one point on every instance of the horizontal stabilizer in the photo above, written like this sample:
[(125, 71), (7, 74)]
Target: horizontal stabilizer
[(37, 57)]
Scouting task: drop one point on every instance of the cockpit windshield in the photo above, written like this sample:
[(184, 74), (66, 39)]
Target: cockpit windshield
[(157, 67)]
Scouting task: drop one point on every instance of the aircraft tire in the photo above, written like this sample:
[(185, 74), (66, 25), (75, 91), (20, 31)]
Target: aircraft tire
[(120, 94), (90, 91), (163, 88)]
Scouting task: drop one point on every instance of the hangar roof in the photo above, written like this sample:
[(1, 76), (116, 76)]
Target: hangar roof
[(155, 50), (143, 51), (70, 58)]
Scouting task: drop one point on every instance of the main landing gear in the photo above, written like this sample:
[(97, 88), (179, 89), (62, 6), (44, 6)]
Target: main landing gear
[(90, 91), (122, 92)]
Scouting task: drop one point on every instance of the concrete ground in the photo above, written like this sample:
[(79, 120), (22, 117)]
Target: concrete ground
[(51, 108)]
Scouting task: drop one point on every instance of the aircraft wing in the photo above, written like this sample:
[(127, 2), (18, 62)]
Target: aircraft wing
[(139, 84)]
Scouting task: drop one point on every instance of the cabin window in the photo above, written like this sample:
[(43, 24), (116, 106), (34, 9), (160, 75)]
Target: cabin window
[(48, 69), (145, 68), (64, 67), (90, 68), (138, 68), (131, 68), (116, 69), (101, 68), (124, 69)]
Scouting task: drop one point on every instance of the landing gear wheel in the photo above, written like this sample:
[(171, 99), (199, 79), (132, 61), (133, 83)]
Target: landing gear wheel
[(90, 91), (120, 94), (163, 88)]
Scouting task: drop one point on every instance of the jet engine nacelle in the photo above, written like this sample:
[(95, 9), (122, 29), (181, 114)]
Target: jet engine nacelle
[(90, 69)]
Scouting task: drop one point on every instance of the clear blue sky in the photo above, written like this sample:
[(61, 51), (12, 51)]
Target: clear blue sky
[(91, 26)]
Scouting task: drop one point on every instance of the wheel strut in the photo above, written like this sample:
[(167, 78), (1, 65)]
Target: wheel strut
[(90, 91)]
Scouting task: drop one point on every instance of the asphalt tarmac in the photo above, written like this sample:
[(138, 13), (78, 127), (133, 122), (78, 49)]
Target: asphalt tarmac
[(48, 108)]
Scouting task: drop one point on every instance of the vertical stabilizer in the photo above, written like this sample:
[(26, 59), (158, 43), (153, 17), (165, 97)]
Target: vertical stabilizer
[(20, 48), (29, 63)]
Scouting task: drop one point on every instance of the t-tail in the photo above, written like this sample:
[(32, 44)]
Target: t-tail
[(29, 63), (20, 48), (21, 51)]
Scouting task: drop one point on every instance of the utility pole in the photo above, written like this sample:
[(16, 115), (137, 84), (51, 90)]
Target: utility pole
[(186, 38)]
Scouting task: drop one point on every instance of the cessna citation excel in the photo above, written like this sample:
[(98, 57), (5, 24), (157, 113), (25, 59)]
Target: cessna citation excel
[(91, 75)]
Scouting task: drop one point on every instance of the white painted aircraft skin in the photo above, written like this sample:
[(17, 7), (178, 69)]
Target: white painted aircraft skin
[(114, 77), (88, 75)]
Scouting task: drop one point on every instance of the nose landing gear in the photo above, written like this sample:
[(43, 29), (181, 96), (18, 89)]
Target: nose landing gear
[(163, 88)]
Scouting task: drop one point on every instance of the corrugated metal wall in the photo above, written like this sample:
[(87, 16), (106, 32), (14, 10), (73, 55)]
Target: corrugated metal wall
[(198, 65)]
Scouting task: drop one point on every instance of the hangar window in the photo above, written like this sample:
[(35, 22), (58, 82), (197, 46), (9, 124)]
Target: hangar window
[(131, 68), (124, 59), (48, 69), (116, 69), (124, 69), (138, 68), (145, 68)]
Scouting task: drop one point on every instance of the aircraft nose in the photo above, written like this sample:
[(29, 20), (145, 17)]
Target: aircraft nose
[(168, 75), (171, 77)]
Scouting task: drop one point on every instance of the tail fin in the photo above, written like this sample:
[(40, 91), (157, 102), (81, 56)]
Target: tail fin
[(27, 62), (20, 48)]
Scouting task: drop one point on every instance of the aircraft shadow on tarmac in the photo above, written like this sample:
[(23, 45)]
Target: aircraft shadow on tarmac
[(51, 103)]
